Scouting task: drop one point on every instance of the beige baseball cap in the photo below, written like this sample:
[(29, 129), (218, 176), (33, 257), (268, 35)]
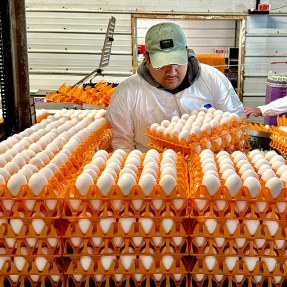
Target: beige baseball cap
[(166, 44)]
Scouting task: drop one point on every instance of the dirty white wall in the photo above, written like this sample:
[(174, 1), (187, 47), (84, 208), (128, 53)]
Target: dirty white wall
[(65, 38)]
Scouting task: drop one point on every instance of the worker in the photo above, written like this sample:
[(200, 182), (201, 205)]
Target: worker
[(169, 82), (274, 108)]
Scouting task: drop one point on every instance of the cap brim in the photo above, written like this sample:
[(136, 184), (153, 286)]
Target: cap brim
[(167, 58)]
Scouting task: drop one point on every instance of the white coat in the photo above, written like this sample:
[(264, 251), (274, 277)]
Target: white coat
[(136, 105), (274, 108)]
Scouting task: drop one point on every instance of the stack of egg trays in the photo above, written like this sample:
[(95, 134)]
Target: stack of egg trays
[(239, 240), (114, 238), (236, 130), (279, 140), (30, 240), (99, 139)]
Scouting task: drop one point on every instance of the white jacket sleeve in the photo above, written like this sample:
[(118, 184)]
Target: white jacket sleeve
[(119, 116), (223, 93), (274, 108)]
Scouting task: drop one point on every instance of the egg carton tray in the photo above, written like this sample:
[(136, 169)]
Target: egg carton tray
[(96, 205), (34, 246), (208, 280), (118, 280), (22, 230), (46, 204), (241, 206), (154, 229), (31, 281), (279, 141), (228, 137), (223, 246), (76, 246), (249, 228), (146, 266), (282, 121), (48, 267), (246, 268)]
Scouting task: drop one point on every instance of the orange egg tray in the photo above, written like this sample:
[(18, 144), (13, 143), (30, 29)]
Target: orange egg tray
[(128, 280), (279, 141), (160, 143), (47, 205), (52, 268), (282, 121), (168, 245), (76, 205), (137, 267), (247, 278)]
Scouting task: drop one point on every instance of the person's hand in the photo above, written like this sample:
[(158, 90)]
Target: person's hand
[(252, 112)]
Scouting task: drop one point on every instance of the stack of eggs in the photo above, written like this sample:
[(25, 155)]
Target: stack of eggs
[(204, 129), (41, 115), (279, 139), (126, 216), (35, 166), (238, 210)]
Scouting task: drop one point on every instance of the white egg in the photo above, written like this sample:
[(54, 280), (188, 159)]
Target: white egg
[(256, 158), (275, 185), (149, 171), (270, 154), (104, 183), (249, 172), (37, 182), (209, 166), (184, 135), (268, 174), (125, 182), (12, 167), (225, 167), (233, 184), (253, 153), (15, 182), (167, 183), (147, 182), (211, 182), (253, 185)]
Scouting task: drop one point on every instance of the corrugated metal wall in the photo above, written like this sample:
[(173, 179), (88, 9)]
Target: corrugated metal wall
[(65, 38), (266, 42)]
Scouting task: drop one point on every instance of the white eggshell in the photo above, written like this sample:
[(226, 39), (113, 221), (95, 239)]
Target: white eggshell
[(268, 174), (168, 183), (253, 185), (270, 154), (277, 158), (275, 185), (125, 182), (12, 167), (5, 173), (225, 167), (37, 182), (84, 182), (263, 168), (104, 183), (256, 158), (249, 172), (211, 182), (184, 134), (281, 169), (147, 182), (283, 176), (233, 184), (15, 182), (209, 166)]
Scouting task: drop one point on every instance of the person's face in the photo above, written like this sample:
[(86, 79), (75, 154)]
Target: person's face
[(170, 77)]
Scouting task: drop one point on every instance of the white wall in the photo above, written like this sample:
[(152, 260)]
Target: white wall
[(65, 38)]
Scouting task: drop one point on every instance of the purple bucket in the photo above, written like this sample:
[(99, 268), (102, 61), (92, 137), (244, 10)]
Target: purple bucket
[(276, 88)]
